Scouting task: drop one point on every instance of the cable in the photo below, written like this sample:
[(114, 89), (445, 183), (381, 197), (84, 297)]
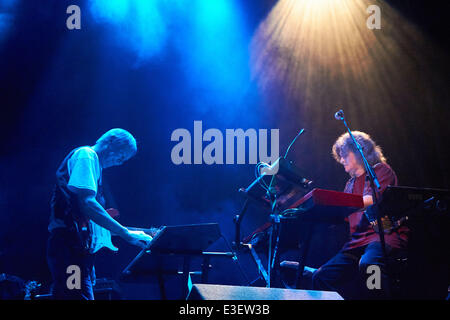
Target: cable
[(261, 181), (235, 259), (292, 212)]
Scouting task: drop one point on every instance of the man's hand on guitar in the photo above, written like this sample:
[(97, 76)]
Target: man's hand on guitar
[(138, 238)]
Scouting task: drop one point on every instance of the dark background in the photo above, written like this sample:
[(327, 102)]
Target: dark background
[(60, 89)]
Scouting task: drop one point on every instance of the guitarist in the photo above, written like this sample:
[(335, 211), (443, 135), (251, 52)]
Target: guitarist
[(363, 248), (78, 214)]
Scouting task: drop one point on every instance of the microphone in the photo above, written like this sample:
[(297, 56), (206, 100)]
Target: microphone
[(298, 135), (339, 115)]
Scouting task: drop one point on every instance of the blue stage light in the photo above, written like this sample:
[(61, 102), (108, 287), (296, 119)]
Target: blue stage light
[(6, 16), (137, 24), (208, 40), (215, 52)]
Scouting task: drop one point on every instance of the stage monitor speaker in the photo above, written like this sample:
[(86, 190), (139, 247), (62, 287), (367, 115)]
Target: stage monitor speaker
[(222, 292)]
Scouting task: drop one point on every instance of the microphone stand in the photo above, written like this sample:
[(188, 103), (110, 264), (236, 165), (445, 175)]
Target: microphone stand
[(275, 216), (274, 239), (374, 185)]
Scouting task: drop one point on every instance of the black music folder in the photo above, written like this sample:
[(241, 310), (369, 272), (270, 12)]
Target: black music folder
[(162, 256), (193, 238)]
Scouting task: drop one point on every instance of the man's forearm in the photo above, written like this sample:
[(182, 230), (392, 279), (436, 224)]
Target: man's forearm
[(94, 211)]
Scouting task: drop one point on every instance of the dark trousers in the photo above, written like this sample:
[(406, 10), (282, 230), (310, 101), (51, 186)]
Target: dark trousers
[(65, 257), (347, 273)]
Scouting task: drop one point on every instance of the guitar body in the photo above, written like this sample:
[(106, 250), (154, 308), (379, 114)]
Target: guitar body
[(101, 238)]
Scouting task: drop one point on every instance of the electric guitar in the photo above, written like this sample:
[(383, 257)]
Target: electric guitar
[(101, 237)]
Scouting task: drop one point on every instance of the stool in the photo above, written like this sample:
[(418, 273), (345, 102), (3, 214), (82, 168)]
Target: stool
[(288, 270)]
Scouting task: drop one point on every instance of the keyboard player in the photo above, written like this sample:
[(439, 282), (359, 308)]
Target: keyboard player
[(346, 272)]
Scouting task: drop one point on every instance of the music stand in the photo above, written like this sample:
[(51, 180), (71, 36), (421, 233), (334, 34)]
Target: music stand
[(173, 247), (287, 186)]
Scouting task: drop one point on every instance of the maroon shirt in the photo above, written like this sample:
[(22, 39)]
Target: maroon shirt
[(361, 232)]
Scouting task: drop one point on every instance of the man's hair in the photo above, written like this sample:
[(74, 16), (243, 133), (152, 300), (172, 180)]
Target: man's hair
[(344, 144), (119, 138)]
